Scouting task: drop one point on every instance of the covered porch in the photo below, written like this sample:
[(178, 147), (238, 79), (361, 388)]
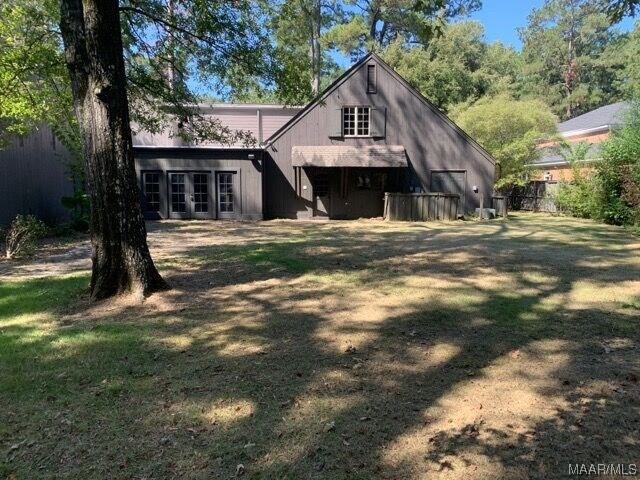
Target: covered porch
[(349, 182)]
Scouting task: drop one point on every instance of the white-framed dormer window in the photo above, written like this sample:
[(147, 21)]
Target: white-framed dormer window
[(356, 121)]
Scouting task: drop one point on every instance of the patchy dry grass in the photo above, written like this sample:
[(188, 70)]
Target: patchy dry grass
[(330, 350)]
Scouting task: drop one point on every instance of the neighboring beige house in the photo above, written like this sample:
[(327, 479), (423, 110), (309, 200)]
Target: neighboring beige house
[(593, 127)]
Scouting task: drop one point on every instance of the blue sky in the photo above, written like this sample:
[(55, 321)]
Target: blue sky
[(501, 19)]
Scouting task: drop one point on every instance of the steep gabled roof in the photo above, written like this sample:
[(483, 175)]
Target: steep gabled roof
[(340, 80), (319, 98)]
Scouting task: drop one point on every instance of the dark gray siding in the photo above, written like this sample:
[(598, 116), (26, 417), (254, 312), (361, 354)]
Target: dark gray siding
[(33, 177), (432, 143), (248, 178)]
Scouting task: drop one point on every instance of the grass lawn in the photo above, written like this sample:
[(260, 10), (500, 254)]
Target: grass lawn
[(330, 350)]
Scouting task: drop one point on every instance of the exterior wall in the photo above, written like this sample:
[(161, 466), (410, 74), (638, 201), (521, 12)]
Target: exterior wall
[(33, 177), (564, 173), (359, 202), (261, 121), (589, 138), (247, 184), (430, 141), (557, 173)]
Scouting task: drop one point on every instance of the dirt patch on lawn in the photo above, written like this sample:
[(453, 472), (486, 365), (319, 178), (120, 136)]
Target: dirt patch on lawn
[(342, 350)]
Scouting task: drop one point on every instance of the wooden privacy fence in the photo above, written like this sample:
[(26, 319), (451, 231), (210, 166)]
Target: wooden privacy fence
[(537, 196), (419, 207)]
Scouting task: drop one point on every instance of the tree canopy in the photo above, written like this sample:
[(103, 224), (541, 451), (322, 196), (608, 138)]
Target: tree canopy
[(456, 66), (508, 129), (563, 45), (374, 24), (168, 47)]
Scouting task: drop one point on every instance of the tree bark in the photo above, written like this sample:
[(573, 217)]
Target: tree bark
[(315, 25), (94, 56)]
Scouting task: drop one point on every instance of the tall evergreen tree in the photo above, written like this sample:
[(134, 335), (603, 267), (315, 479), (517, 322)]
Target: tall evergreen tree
[(372, 25), (456, 66), (563, 45), (297, 29)]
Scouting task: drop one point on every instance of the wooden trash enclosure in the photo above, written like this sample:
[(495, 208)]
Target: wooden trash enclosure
[(420, 207), (499, 204)]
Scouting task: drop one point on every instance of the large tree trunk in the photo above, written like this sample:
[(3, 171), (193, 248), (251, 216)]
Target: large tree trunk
[(93, 48)]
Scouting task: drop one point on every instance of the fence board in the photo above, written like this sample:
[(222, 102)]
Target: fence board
[(421, 207), (499, 204), (536, 196)]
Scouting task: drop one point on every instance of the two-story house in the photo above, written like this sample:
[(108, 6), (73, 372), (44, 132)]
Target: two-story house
[(368, 133)]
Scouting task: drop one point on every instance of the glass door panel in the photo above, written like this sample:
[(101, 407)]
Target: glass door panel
[(226, 208), (200, 196), (178, 206)]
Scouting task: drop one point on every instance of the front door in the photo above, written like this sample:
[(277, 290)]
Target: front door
[(321, 195), (189, 195)]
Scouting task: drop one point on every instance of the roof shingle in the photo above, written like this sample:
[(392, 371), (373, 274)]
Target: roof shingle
[(609, 115)]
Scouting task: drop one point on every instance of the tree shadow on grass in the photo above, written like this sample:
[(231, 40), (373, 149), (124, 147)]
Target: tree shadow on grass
[(338, 356)]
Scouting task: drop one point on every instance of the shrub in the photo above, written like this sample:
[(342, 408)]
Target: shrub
[(22, 234), (78, 203), (612, 192), (577, 198), (619, 173), (509, 129)]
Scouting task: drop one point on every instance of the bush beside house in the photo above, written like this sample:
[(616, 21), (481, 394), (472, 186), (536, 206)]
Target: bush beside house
[(611, 192), (508, 129)]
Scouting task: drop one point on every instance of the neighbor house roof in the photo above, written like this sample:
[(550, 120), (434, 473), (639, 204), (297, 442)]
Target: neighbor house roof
[(589, 124), (551, 156), (607, 116), (349, 156)]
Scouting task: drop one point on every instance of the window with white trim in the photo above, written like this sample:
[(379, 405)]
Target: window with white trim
[(355, 121)]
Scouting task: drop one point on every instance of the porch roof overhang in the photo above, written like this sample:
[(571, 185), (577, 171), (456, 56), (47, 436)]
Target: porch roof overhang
[(380, 156)]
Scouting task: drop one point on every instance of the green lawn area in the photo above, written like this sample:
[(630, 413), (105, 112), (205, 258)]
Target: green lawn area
[(333, 350)]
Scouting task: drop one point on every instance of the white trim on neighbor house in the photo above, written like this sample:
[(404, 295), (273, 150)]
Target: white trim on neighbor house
[(561, 163), (586, 131)]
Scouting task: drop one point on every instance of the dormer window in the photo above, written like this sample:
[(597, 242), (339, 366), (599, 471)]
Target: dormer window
[(356, 121), (371, 79)]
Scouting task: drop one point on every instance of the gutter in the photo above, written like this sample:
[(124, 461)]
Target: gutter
[(187, 147), (561, 163), (586, 131)]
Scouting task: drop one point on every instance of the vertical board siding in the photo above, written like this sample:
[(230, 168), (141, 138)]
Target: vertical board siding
[(248, 172), (431, 142), (33, 177), (272, 120), (499, 204), (260, 120)]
